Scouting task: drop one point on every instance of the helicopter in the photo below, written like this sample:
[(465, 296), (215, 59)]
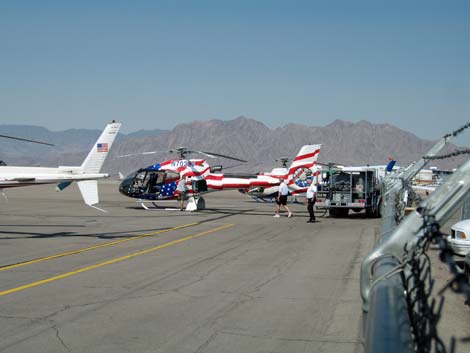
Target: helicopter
[(302, 170), (86, 175), (158, 181)]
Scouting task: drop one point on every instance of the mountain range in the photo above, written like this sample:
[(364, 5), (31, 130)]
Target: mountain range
[(343, 142)]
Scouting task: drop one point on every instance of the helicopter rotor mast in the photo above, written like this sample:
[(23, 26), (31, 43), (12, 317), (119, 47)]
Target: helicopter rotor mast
[(284, 161)]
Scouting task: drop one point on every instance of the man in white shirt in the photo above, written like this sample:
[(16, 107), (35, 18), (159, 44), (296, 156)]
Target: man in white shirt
[(311, 196), (282, 199), (181, 187)]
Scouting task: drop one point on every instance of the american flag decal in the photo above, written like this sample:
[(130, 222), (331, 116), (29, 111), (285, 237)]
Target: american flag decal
[(102, 147)]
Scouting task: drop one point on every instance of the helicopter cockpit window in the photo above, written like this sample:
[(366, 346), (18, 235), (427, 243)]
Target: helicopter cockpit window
[(139, 179), (159, 178), (171, 176), (153, 182), (148, 182)]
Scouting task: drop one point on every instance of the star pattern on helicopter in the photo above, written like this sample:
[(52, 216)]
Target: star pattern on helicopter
[(168, 189)]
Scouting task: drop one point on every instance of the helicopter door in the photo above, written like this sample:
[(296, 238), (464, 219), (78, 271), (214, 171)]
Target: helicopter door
[(152, 182), (199, 185)]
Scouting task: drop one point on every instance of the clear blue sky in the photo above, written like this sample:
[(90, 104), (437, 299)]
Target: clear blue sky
[(150, 64)]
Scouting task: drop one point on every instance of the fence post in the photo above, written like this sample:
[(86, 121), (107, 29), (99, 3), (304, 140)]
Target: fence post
[(466, 209)]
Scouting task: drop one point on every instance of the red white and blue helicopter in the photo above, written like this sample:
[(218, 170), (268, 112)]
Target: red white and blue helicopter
[(298, 175), (159, 181)]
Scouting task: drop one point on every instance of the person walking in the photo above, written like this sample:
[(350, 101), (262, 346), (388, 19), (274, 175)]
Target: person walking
[(282, 199), (181, 187), (311, 196)]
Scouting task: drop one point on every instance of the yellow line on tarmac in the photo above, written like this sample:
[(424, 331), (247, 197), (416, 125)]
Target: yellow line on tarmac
[(72, 252), (112, 261)]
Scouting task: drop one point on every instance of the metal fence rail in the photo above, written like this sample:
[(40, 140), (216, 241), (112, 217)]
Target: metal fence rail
[(392, 284)]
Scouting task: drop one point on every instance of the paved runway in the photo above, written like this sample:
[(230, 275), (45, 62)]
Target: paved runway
[(228, 279)]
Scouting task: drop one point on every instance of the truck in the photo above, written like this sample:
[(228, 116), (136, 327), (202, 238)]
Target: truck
[(350, 188)]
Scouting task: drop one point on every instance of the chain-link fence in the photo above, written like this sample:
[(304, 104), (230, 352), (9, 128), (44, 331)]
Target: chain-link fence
[(400, 312)]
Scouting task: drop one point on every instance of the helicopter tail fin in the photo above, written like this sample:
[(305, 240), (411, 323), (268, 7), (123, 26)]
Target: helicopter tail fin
[(97, 155), (306, 158), (303, 168)]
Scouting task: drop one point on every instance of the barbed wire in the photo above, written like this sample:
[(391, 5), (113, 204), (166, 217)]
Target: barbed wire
[(424, 310), (458, 131), (449, 155)]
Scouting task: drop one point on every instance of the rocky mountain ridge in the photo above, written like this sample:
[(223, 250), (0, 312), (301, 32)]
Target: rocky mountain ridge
[(342, 141)]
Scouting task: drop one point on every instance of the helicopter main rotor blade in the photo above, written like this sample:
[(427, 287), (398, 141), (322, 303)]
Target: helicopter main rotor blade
[(207, 154), (138, 154), (27, 140), (232, 166), (330, 164), (222, 156)]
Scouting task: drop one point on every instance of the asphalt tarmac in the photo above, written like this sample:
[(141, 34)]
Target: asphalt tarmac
[(230, 278)]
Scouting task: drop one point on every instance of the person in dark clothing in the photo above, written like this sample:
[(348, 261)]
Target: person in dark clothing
[(311, 196)]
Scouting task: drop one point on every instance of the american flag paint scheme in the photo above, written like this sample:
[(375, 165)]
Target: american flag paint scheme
[(101, 147), (298, 175), (158, 181)]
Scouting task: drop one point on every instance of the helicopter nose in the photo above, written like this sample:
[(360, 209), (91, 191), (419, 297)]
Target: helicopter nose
[(125, 186), (124, 189)]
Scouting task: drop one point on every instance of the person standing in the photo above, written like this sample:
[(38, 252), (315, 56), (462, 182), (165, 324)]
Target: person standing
[(282, 199), (311, 196), (181, 187)]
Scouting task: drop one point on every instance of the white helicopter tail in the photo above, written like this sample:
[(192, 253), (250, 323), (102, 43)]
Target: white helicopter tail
[(94, 161), (89, 191), (97, 155), (305, 159)]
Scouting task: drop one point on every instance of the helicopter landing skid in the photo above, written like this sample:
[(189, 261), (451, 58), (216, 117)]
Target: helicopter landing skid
[(194, 204), (153, 206)]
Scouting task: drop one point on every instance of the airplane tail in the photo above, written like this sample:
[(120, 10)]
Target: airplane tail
[(303, 166), (96, 157)]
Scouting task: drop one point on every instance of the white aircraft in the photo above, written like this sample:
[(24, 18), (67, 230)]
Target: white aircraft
[(85, 175)]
